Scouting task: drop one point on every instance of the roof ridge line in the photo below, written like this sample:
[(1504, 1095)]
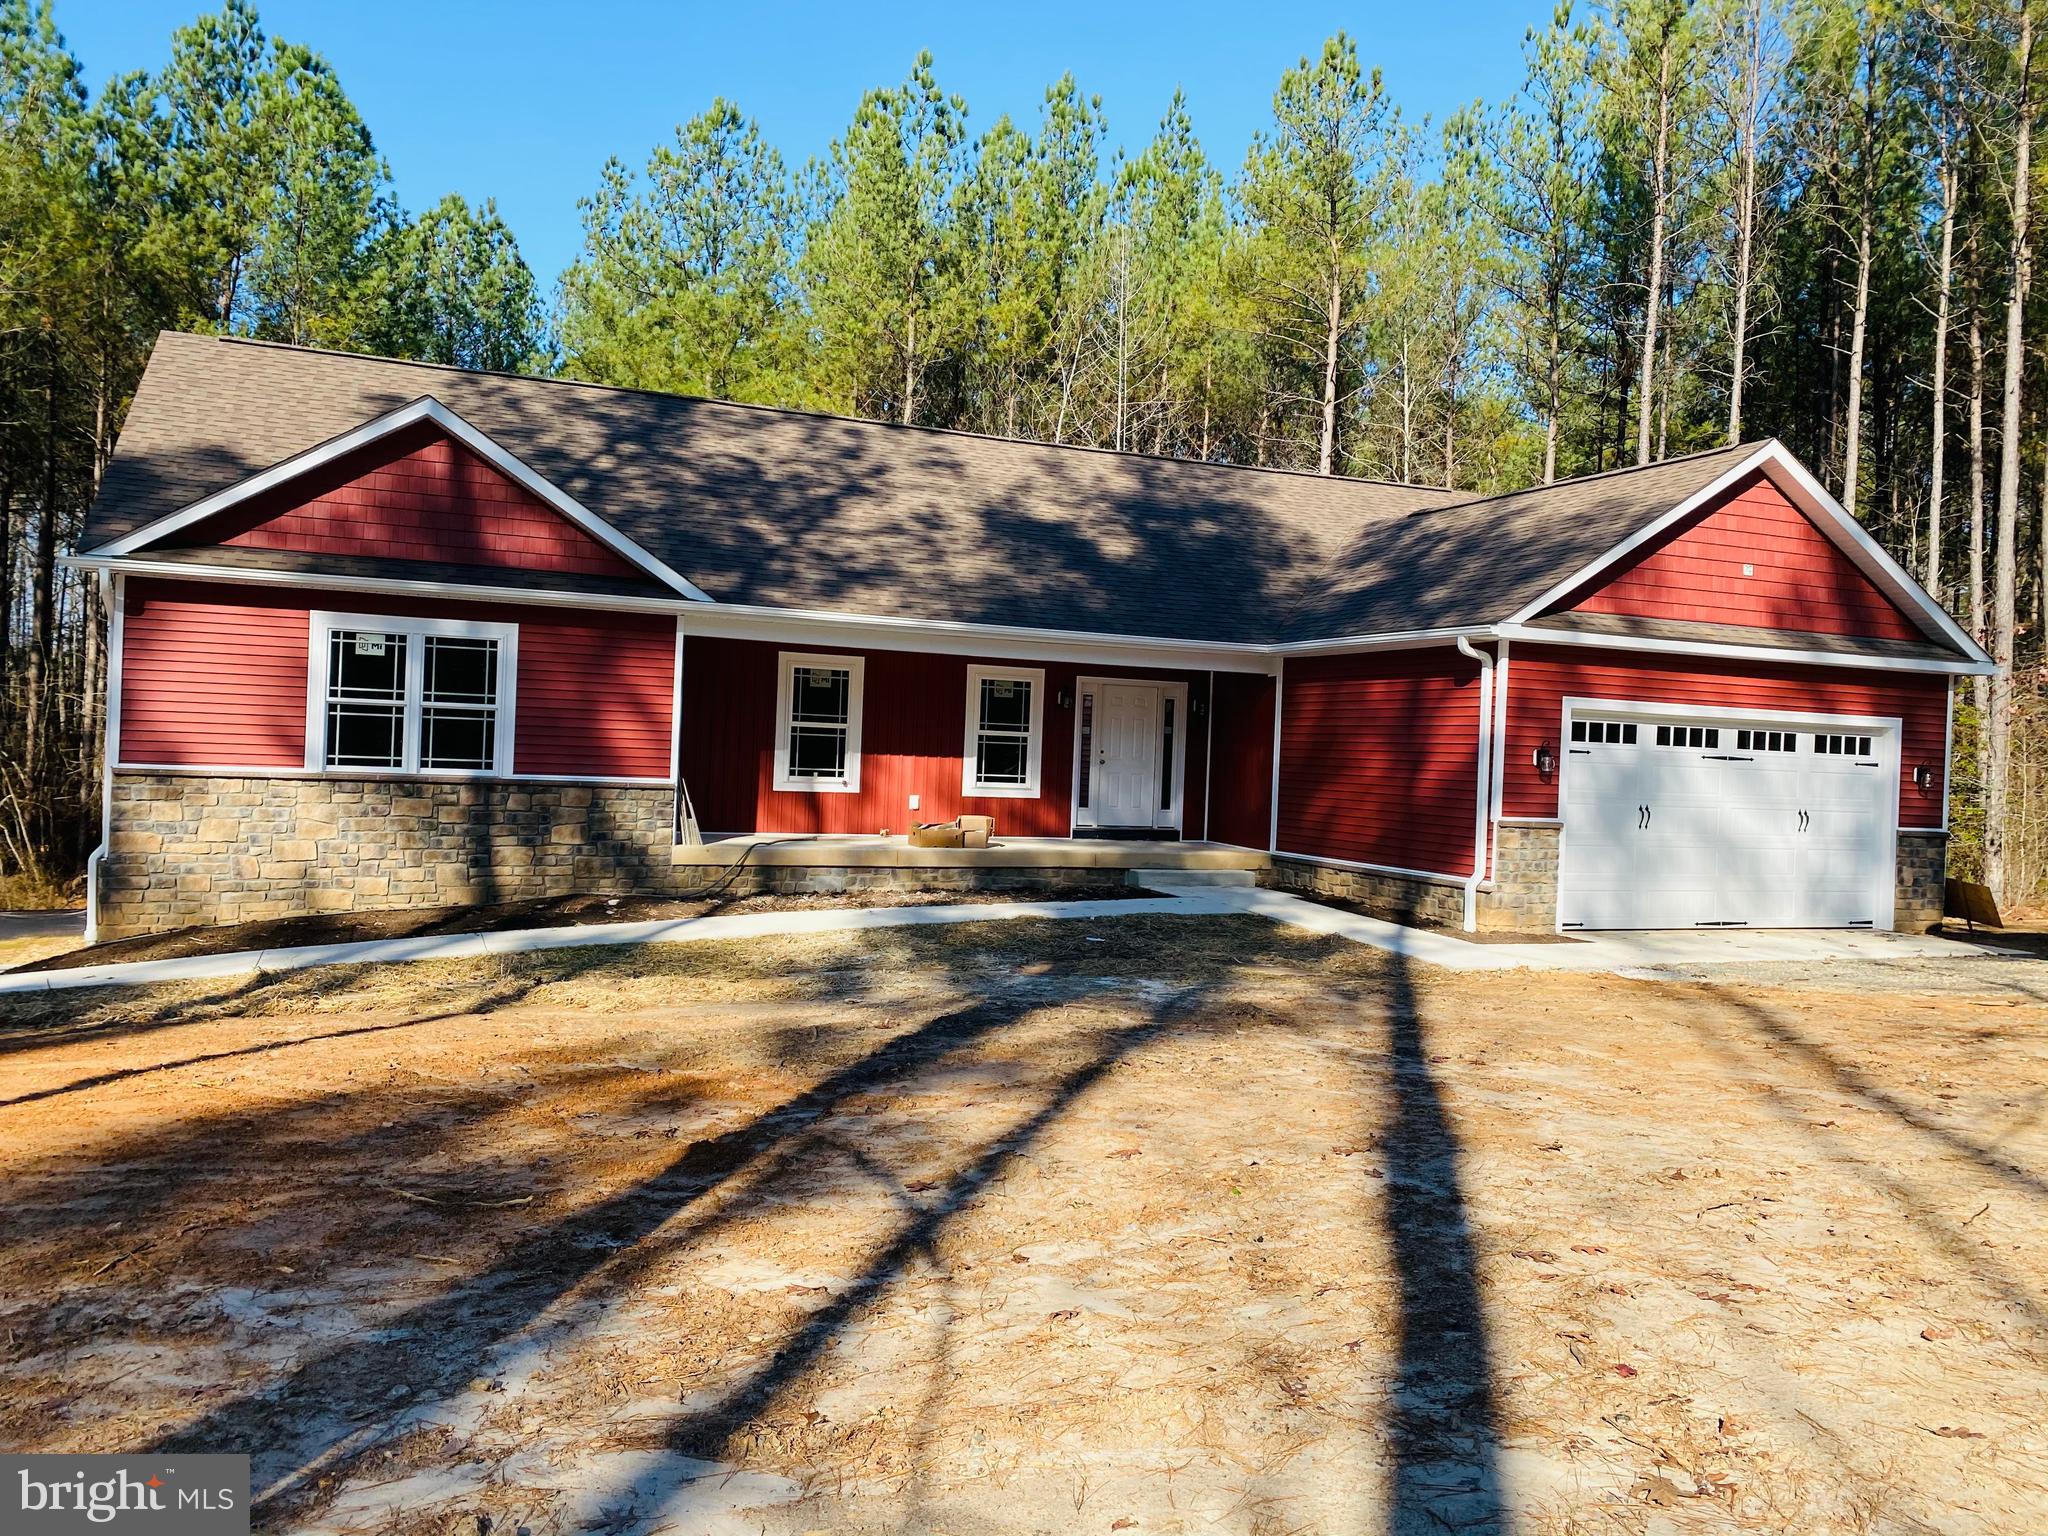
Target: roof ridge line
[(813, 415), (1753, 445)]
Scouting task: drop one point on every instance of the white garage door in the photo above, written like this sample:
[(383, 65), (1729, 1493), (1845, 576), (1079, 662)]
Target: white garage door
[(1725, 823)]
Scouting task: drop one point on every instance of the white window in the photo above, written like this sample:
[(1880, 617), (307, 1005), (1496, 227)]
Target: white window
[(426, 696), (1005, 717), (817, 722)]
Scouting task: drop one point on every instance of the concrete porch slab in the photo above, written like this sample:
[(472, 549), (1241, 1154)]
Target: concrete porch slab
[(828, 851)]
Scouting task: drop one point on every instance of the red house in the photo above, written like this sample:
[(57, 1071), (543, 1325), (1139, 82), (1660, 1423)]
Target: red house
[(389, 635)]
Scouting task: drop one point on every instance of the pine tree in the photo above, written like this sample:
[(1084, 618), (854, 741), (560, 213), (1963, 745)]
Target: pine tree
[(1315, 185), (686, 280), (883, 299), (451, 287)]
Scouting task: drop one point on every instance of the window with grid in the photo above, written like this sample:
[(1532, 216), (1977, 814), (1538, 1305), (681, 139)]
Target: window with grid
[(410, 695), (1005, 707), (818, 730), (459, 703)]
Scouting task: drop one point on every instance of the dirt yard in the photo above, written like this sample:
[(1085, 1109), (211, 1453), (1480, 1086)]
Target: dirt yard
[(1146, 1225)]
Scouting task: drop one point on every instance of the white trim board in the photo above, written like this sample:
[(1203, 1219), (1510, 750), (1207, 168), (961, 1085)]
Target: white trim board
[(386, 775), (993, 642), (1756, 653), (424, 409)]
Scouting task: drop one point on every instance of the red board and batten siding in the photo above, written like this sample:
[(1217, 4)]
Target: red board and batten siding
[(1798, 578), (1379, 759), (417, 495), (1241, 760), (215, 676), (1541, 678), (913, 731)]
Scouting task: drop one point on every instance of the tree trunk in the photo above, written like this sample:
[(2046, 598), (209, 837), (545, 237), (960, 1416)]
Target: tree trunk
[(1745, 220), (1407, 417), (1938, 431), (1332, 334), (1660, 196), (43, 580), (910, 366), (1553, 368), (1980, 686), (1860, 326), (2004, 616)]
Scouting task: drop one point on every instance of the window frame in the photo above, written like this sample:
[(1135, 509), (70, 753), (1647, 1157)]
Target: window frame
[(786, 663), (321, 626), (1034, 741)]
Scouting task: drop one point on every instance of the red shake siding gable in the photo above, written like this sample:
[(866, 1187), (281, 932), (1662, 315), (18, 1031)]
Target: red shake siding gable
[(416, 495), (215, 676), (1798, 578), (1540, 679), (913, 726), (1379, 759), (1241, 760)]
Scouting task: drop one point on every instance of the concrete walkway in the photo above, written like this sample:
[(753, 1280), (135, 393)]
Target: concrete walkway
[(1627, 954), (61, 924)]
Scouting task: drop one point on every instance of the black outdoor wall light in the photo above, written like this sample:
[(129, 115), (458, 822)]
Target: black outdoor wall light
[(1545, 759), (1923, 777), (1066, 698)]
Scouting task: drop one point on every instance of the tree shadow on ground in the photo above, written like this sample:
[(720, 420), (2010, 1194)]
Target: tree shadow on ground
[(334, 1408), (1445, 1417), (1840, 1077)]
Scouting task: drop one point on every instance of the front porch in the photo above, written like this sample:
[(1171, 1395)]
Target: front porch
[(1108, 858)]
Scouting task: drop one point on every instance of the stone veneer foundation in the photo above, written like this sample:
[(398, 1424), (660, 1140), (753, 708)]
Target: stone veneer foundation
[(1396, 898), (195, 849), (1523, 896), (1922, 881)]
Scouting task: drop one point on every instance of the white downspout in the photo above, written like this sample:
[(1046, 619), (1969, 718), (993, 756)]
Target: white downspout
[(113, 597), (1482, 798)]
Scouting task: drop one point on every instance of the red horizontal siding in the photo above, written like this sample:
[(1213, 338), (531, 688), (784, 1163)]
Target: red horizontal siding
[(1379, 758), (1798, 578), (211, 678), (1541, 678), (215, 676), (596, 696), (913, 726), (418, 495)]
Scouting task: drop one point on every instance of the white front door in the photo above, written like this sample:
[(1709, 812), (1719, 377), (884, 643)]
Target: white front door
[(1126, 775), (1725, 823)]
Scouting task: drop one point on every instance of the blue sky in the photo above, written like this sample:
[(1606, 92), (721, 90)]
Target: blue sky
[(523, 101)]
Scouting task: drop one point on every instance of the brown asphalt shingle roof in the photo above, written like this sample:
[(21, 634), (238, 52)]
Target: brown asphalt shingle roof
[(791, 510)]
